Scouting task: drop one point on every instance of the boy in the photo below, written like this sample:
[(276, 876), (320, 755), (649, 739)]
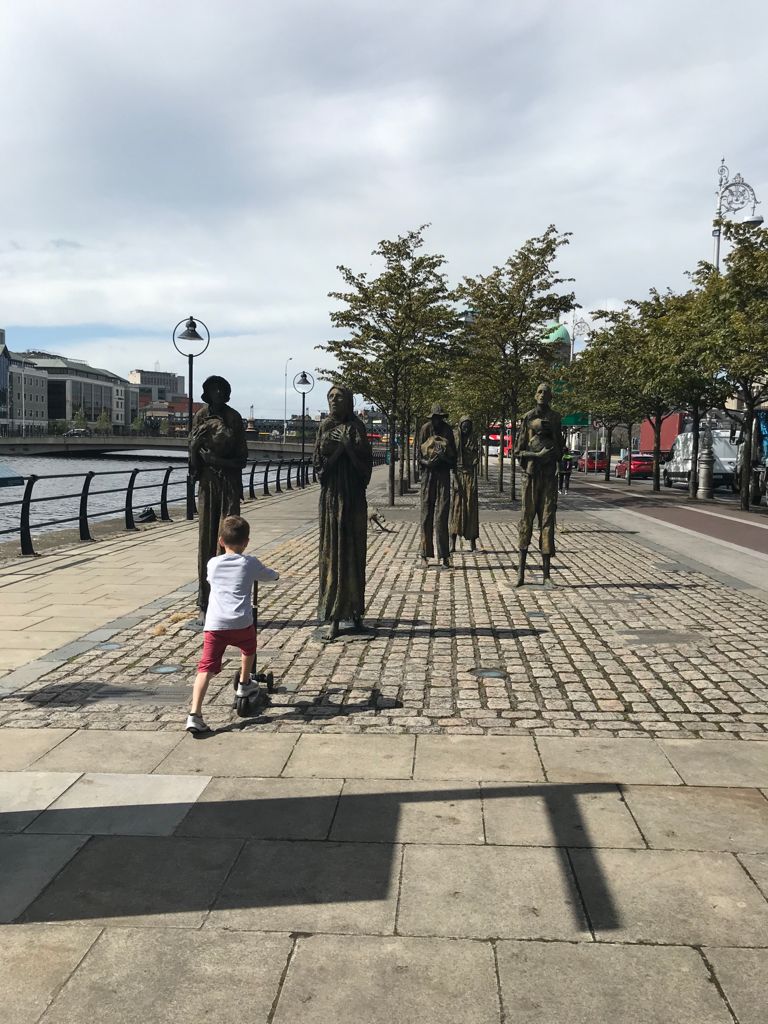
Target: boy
[(229, 619)]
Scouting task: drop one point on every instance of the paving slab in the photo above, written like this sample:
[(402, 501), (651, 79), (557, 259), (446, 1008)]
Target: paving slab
[(485, 892), (405, 811), (386, 980), (701, 818), (742, 974), (23, 795), (512, 758), (669, 896), (98, 750), (237, 753), (123, 805), (559, 983), (28, 865), (352, 757), (757, 866), (20, 747), (138, 881), (264, 809), (35, 962), (558, 815), (603, 759), (164, 976), (702, 763), (311, 887)]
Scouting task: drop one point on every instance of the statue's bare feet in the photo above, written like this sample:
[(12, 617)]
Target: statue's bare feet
[(520, 581), (445, 563), (332, 632), (473, 545)]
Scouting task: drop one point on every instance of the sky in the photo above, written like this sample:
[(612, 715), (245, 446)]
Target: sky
[(221, 157)]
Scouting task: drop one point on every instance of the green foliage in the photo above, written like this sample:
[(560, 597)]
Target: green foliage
[(104, 423), (137, 423), (57, 427), (79, 421)]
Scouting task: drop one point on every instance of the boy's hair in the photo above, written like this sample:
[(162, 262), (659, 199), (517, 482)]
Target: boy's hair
[(234, 531)]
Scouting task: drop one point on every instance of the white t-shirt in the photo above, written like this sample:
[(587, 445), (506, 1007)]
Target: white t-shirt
[(231, 578)]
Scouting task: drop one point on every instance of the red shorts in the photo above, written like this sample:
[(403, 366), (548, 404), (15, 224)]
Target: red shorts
[(216, 641)]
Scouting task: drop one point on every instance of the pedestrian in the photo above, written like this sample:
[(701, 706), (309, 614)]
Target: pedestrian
[(229, 616), (564, 472)]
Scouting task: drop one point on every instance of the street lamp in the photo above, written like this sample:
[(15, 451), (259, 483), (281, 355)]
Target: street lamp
[(285, 398), (193, 346), (732, 195), (580, 326), (303, 383)]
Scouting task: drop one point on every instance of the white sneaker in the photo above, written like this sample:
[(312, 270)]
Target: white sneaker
[(195, 723), (247, 689)]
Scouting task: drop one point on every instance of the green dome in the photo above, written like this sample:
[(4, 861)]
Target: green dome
[(560, 333)]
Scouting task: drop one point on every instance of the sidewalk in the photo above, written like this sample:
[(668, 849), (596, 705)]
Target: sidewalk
[(454, 880), (545, 806)]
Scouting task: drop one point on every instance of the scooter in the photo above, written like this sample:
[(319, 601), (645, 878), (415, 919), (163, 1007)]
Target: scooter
[(258, 698)]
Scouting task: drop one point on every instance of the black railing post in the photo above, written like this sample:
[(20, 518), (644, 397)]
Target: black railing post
[(266, 478), (288, 474), (129, 523), (191, 509), (301, 476), (85, 533), (251, 491), (278, 488), (164, 515), (314, 473), (26, 536)]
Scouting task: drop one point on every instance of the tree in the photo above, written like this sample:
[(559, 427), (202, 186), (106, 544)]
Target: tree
[(737, 302), (79, 421), (137, 424), (396, 324), (104, 423), (505, 334)]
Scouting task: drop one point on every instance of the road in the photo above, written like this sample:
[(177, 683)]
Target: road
[(720, 519)]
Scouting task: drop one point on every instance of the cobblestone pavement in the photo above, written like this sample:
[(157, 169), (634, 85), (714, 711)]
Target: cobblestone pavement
[(627, 643)]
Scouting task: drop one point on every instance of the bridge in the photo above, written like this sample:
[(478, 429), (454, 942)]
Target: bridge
[(100, 445)]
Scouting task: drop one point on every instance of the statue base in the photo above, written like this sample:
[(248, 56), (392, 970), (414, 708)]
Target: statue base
[(349, 632)]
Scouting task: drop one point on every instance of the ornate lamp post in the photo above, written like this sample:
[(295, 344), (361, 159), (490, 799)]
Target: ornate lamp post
[(193, 345), (706, 461), (303, 383), (732, 194), (578, 327)]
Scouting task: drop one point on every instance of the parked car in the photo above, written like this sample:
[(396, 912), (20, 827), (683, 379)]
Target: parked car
[(78, 432), (594, 462), (642, 466), (725, 450)]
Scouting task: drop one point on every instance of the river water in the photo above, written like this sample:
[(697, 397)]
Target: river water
[(61, 480)]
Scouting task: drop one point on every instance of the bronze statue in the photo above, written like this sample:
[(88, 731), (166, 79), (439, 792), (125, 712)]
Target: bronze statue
[(539, 447), (217, 454), (465, 508), (344, 463), (438, 457)]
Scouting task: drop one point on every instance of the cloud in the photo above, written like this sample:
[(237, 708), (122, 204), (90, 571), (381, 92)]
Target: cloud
[(221, 160)]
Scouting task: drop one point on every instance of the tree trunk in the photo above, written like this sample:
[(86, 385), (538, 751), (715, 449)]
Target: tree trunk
[(656, 423), (608, 440), (402, 459), (746, 460), (629, 454), (693, 481), (485, 453), (512, 463), (407, 450), (501, 450), (392, 424)]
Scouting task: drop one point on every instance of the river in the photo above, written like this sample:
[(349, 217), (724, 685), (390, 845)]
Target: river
[(61, 480)]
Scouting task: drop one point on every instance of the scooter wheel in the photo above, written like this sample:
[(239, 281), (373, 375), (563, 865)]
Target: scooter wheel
[(236, 680), (242, 706), (270, 681)]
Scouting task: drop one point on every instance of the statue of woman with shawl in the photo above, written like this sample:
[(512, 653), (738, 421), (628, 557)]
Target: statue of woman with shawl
[(465, 508), (218, 452), (343, 462)]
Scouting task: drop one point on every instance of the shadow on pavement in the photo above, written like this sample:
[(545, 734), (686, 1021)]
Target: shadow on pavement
[(274, 852)]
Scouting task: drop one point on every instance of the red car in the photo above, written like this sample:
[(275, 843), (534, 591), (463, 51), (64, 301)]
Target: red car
[(642, 466), (595, 462)]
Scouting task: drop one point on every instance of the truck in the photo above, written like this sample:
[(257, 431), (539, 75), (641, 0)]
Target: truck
[(671, 427), (677, 468)]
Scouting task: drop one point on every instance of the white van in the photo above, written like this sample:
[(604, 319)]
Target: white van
[(677, 469)]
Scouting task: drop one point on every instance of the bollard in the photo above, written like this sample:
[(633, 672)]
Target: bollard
[(85, 533), (25, 535)]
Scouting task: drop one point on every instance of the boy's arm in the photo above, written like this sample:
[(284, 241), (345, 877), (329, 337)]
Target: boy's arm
[(262, 573)]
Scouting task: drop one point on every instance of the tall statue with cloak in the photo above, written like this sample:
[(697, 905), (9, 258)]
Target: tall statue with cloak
[(343, 463), (218, 453), (438, 457), (465, 508)]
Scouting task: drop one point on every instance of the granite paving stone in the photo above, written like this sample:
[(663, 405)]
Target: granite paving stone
[(477, 758), (487, 892), (112, 804), (603, 759), (387, 980), (566, 983), (718, 764), (164, 976), (28, 865), (757, 866), (238, 753), (21, 747), (105, 751), (670, 896), (53, 953), (742, 974), (23, 795), (352, 757)]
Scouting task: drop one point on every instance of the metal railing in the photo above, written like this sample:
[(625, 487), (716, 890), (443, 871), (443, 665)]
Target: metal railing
[(279, 474)]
